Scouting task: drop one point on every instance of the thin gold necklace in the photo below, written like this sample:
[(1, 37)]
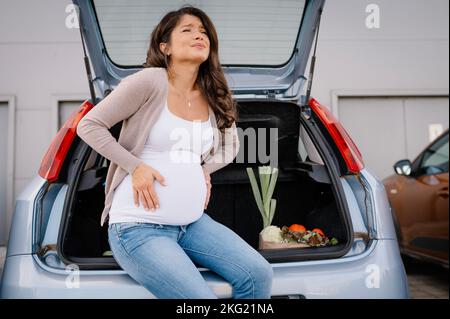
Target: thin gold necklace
[(188, 100)]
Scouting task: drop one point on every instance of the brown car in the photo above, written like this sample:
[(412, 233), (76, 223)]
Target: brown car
[(418, 194)]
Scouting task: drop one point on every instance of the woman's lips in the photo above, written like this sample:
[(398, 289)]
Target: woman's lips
[(199, 46)]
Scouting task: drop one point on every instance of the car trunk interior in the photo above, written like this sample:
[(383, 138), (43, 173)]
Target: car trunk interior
[(303, 191)]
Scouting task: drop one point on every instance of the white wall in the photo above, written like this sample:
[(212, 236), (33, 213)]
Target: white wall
[(408, 52), (39, 59), (407, 56)]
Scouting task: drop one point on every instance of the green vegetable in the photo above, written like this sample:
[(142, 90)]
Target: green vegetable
[(266, 205), (334, 241)]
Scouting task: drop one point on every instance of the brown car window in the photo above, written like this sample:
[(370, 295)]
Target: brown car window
[(436, 158)]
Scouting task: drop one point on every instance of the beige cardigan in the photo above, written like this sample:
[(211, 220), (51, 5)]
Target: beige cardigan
[(138, 101)]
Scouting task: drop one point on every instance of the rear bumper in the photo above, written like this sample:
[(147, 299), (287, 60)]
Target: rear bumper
[(377, 273)]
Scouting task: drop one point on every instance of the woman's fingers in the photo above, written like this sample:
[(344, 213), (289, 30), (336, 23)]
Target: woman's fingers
[(159, 178), (142, 199), (136, 197), (155, 200), (148, 198), (143, 192)]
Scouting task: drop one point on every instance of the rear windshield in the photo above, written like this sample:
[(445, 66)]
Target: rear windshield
[(251, 32)]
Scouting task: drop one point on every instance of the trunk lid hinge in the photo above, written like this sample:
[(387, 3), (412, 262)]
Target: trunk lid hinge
[(305, 109), (43, 250)]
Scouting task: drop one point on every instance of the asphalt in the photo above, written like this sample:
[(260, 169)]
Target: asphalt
[(426, 281)]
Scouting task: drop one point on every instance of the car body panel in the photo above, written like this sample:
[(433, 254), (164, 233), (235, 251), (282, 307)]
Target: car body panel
[(242, 79), (420, 204), (359, 224), (383, 221), (377, 273), (376, 265), (21, 231), (422, 214)]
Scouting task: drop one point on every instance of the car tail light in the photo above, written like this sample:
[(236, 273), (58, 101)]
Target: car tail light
[(53, 160), (342, 139)]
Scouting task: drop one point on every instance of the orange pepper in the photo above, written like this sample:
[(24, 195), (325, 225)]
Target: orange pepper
[(319, 231), (297, 227)]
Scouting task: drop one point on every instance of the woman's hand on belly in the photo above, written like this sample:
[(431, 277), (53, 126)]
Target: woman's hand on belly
[(143, 190), (208, 186)]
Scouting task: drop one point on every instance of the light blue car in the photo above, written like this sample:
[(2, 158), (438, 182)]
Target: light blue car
[(57, 248)]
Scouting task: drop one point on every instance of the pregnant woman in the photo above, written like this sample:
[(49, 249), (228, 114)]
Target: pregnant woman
[(178, 127)]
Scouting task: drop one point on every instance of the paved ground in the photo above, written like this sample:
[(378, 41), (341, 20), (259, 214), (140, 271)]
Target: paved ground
[(425, 281)]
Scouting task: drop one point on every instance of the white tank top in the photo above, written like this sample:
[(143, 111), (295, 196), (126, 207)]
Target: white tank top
[(173, 148)]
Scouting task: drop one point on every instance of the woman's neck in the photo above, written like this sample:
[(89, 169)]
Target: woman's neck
[(184, 78)]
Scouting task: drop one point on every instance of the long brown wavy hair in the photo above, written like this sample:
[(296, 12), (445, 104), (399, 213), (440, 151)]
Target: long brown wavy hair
[(211, 79)]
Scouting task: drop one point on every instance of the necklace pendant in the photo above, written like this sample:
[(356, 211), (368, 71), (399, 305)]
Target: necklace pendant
[(189, 104)]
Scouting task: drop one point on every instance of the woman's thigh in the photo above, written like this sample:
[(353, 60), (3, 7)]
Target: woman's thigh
[(152, 256), (215, 246)]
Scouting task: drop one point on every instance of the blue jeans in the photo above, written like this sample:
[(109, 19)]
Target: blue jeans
[(160, 257)]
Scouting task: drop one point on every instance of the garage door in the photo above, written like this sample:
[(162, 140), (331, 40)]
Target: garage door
[(65, 109), (387, 129), (3, 173)]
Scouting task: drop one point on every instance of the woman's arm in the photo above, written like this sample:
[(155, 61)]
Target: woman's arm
[(129, 95), (226, 151)]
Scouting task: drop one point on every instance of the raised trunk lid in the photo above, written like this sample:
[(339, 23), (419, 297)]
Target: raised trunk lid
[(263, 48)]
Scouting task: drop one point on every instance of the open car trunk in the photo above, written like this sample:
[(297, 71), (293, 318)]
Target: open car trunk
[(304, 192)]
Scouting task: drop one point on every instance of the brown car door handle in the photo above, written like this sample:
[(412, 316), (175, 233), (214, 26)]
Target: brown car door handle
[(443, 192)]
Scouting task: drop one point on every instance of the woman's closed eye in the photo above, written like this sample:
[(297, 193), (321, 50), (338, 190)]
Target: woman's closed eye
[(190, 30)]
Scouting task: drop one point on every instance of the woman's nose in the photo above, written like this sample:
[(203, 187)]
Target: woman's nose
[(199, 35)]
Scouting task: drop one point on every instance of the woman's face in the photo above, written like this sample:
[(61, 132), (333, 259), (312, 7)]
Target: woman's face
[(189, 41)]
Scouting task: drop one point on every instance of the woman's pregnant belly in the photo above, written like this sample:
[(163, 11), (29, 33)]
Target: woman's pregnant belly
[(181, 201)]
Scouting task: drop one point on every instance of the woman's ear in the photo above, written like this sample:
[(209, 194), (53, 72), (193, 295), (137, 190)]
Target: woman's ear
[(162, 48)]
